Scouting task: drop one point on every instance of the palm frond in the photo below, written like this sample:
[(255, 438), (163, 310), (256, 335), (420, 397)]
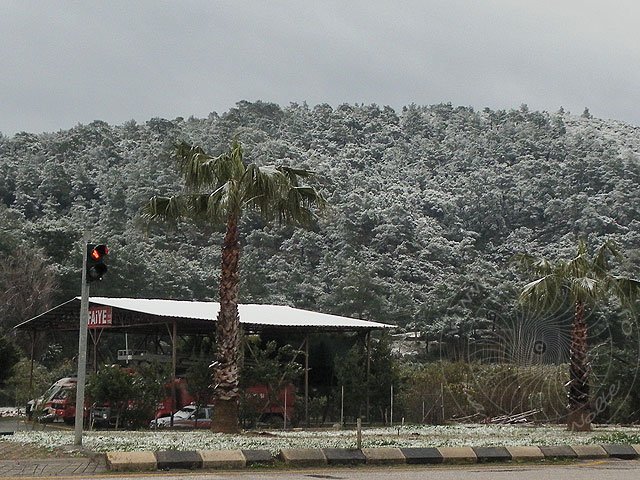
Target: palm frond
[(584, 289), (601, 257), (195, 166), (202, 171), (299, 204), (297, 172), (262, 186), (230, 165), (577, 267), (275, 192), (209, 207), (294, 173), (293, 210), (222, 185), (164, 208), (531, 263), (545, 292), (583, 247)]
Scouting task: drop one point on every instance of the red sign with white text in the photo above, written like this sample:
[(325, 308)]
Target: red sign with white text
[(99, 317)]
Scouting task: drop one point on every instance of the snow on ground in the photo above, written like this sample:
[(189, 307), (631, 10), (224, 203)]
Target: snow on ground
[(11, 412), (406, 436)]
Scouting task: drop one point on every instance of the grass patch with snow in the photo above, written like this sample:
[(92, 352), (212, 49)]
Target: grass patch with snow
[(406, 436)]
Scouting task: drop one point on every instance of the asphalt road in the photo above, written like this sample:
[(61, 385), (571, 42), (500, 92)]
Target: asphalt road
[(590, 470)]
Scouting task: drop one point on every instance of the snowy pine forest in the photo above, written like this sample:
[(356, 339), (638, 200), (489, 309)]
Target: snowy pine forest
[(427, 206)]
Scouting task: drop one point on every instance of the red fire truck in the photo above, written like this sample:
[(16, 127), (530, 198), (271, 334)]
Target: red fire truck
[(58, 403)]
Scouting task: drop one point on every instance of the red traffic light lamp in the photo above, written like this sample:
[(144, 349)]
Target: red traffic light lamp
[(96, 266)]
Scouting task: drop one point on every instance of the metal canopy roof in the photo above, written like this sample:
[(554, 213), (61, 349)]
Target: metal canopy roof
[(150, 315)]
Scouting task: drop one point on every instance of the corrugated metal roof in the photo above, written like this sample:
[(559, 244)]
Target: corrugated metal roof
[(271, 315)]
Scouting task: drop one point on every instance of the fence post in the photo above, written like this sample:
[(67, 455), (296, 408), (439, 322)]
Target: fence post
[(342, 406), (391, 413), (284, 424), (442, 400)]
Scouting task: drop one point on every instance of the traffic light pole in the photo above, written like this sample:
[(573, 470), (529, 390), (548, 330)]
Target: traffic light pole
[(82, 345)]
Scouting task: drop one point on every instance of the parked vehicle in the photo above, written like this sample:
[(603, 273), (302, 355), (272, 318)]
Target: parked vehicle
[(273, 407), (183, 398), (58, 403), (190, 416), (103, 415)]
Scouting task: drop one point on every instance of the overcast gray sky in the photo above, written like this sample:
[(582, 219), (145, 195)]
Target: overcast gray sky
[(69, 62)]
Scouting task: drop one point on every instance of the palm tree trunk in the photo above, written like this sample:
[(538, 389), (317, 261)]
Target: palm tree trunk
[(225, 377), (579, 415)]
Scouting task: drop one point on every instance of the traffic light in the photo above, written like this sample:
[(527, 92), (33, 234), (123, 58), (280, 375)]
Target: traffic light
[(96, 266)]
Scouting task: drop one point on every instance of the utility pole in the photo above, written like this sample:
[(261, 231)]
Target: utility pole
[(93, 269), (82, 345)]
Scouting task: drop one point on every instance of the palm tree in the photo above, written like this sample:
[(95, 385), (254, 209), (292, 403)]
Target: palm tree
[(218, 190), (583, 281)]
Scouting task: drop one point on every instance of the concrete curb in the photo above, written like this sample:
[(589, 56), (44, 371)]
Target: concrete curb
[(384, 456), (258, 457), (589, 452), (418, 456), (344, 456), (525, 454), (316, 457), (302, 457), (492, 454), (223, 459), (558, 451), (131, 461), (458, 455), (624, 452), (170, 459)]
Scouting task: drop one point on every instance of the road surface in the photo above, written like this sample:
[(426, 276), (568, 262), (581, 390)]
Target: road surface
[(610, 469)]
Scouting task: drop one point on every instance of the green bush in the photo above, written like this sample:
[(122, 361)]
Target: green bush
[(148, 388), (132, 395), (22, 389), (9, 356), (350, 370), (616, 397)]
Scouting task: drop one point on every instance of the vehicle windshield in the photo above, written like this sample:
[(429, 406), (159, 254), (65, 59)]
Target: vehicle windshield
[(51, 392), (62, 394), (184, 413)]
